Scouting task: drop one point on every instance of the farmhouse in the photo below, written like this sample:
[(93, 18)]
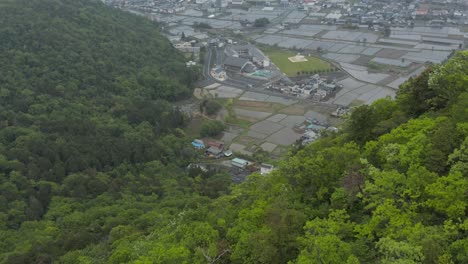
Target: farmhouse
[(215, 144), (239, 163), (214, 152)]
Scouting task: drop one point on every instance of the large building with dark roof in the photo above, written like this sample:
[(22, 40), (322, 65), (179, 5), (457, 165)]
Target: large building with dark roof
[(239, 65)]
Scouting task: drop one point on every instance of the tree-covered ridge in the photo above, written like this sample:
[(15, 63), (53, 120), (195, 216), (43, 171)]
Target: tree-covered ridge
[(83, 113)]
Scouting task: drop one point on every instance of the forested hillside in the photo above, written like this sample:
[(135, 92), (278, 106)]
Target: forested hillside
[(93, 160), (84, 111)]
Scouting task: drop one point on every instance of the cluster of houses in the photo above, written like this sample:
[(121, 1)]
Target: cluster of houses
[(242, 164), (312, 129), (150, 6), (187, 46), (391, 13), (339, 12), (314, 87), (216, 149), (212, 148)]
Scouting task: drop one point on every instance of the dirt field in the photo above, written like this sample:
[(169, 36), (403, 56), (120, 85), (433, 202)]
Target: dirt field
[(293, 110), (258, 106)]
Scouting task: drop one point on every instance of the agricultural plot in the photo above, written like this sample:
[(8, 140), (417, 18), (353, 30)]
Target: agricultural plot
[(355, 93)]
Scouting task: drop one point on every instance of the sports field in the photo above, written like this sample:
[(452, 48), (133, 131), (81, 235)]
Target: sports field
[(280, 58)]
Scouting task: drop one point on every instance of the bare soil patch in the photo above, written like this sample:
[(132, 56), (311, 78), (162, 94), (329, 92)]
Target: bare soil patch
[(293, 110)]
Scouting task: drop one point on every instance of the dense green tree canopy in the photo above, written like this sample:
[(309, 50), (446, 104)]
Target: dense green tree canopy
[(93, 161)]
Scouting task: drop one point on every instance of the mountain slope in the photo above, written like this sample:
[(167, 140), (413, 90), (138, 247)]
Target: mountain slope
[(86, 47), (83, 104)]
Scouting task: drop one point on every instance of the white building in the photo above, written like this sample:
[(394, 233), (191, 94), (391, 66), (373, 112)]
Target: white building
[(237, 2), (266, 168)]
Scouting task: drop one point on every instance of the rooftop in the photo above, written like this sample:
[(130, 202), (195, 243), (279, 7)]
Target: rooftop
[(236, 62), (240, 161)]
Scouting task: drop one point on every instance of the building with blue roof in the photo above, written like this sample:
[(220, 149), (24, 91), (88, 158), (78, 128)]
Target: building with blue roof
[(198, 144)]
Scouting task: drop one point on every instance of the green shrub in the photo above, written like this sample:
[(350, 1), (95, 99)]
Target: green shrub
[(211, 128)]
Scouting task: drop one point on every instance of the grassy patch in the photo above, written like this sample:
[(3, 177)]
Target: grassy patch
[(280, 58), (188, 55), (259, 106), (232, 118), (377, 66)]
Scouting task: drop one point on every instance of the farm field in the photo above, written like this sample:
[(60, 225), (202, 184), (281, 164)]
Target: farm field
[(280, 59)]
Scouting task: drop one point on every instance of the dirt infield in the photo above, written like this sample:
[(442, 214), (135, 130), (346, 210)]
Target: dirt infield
[(297, 58)]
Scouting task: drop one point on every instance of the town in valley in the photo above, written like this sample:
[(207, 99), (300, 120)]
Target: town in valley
[(288, 72)]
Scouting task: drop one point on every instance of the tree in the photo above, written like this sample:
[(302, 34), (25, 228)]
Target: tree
[(211, 107), (323, 242), (387, 31), (261, 22), (202, 25), (361, 123), (211, 128), (414, 95)]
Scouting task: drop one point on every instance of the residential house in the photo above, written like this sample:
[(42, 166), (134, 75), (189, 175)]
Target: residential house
[(219, 73), (214, 152), (216, 144), (239, 163)]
